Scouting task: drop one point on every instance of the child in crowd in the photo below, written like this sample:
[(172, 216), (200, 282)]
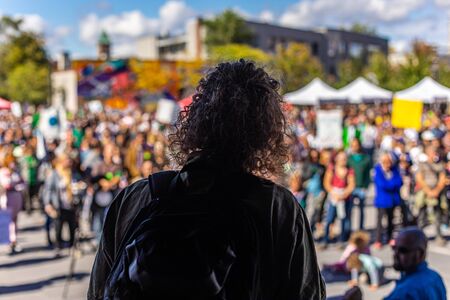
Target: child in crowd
[(358, 243), (359, 263)]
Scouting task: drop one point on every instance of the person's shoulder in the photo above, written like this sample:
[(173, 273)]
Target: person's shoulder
[(433, 275), (135, 192), (276, 191), (377, 167), (137, 185)]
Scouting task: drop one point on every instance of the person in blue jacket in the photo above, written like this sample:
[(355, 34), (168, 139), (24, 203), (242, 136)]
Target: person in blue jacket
[(388, 182), (417, 281)]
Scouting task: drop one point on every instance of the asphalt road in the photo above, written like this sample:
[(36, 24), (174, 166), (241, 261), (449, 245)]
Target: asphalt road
[(37, 274)]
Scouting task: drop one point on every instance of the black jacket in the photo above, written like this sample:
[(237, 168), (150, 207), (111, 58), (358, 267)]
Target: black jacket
[(278, 261)]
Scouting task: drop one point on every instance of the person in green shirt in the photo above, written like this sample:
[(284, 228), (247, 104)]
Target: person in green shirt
[(30, 165), (361, 164)]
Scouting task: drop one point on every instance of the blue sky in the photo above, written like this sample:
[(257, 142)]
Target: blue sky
[(74, 25)]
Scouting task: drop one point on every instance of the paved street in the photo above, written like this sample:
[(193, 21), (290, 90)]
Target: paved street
[(438, 259), (36, 274)]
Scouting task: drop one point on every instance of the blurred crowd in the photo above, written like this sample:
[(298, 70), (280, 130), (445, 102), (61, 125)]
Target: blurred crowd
[(73, 178), (403, 173)]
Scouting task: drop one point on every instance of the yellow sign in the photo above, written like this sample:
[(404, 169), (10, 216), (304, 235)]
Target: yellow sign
[(407, 113)]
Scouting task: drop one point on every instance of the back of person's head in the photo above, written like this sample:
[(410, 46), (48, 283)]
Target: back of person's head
[(235, 117), (353, 262), (360, 239), (410, 249)]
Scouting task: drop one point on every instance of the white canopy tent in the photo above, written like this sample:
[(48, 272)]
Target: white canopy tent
[(312, 93), (427, 90), (361, 90)]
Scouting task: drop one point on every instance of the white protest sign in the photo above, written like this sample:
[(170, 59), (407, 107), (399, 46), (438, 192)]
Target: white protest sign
[(16, 109), (95, 106), (329, 128), (167, 111), (49, 123)]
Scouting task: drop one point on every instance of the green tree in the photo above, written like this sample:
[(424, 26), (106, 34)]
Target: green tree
[(443, 75), (23, 53), (363, 28), (6, 22), (227, 28), (233, 52), (379, 70), (28, 82), (296, 65), (348, 70), (418, 64)]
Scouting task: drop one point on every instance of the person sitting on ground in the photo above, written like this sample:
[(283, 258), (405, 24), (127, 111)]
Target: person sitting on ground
[(417, 282), (359, 263), (358, 243)]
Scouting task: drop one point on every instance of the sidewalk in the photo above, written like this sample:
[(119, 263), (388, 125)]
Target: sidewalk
[(35, 273)]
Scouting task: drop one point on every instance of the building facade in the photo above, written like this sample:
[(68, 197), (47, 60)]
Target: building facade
[(330, 46)]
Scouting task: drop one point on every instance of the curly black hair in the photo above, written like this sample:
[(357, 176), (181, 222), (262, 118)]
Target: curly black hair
[(236, 116)]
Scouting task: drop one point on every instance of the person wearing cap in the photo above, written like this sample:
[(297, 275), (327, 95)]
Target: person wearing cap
[(427, 137)]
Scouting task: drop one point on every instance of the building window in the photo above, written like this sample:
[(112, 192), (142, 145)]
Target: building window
[(356, 50), (272, 43), (332, 70), (315, 49), (373, 48)]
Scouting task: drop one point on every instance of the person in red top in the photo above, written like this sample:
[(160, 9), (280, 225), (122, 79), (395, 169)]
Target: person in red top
[(339, 182)]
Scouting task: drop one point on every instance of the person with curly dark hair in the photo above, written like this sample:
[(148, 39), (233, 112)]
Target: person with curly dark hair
[(216, 229)]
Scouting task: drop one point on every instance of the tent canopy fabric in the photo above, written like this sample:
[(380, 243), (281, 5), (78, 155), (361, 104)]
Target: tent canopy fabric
[(5, 104), (361, 90), (427, 90), (311, 94)]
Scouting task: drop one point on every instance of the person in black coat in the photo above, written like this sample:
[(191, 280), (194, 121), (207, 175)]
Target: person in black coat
[(230, 137)]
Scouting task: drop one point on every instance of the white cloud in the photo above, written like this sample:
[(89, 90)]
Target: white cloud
[(442, 3), (126, 27), (173, 15), (318, 12), (400, 46), (241, 12), (399, 20), (266, 16), (62, 31), (56, 38), (32, 22)]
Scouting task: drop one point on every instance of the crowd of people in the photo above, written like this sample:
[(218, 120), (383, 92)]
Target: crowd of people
[(409, 171), (73, 178)]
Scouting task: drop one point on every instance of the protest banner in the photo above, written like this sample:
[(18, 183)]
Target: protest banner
[(167, 111), (329, 129), (407, 113)]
